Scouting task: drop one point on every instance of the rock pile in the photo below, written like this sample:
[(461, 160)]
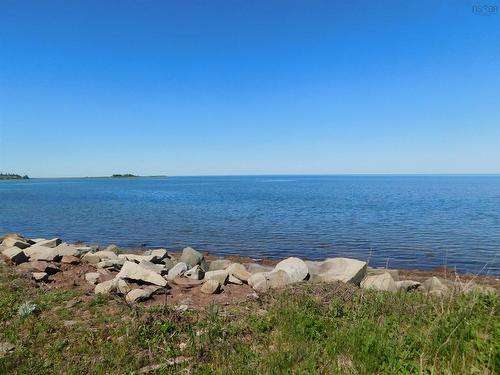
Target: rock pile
[(137, 277)]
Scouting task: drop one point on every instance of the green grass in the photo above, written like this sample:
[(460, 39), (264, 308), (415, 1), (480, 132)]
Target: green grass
[(324, 329)]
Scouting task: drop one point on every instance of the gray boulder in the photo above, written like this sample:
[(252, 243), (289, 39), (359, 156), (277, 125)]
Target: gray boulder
[(91, 258), (191, 257), (134, 271), (382, 282), (340, 269), (106, 255), (259, 282), (15, 254), (106, 287), (437, 286)]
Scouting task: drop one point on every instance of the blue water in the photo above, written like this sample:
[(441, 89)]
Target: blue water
[(400, 221)]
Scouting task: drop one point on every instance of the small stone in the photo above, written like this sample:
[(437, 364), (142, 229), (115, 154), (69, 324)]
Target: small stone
[(219, 264), (211, 286), (70, 259), (221, 276), (92, 277), (191, 257), (234, 280), (195, 273), (40, 276)]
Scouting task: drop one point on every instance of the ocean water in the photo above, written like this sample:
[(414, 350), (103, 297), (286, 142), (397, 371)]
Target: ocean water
[(415, 222)]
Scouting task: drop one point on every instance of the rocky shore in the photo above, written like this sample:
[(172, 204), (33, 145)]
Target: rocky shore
[(193, 279)]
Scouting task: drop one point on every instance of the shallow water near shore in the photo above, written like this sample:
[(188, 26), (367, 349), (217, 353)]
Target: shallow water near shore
[(416, 222)]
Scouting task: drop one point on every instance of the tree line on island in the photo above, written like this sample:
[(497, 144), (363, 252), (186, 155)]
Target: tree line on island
[(12, 176)]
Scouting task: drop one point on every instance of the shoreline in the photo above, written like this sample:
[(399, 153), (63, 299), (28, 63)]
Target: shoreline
[(157, 275)]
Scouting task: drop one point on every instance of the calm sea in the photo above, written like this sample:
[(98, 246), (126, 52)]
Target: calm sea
[(400, 221)]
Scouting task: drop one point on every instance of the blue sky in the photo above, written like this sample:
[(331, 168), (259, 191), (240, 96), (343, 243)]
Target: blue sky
[(91, 88)]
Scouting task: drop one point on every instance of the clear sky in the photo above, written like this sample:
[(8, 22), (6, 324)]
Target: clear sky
[(91, 88)]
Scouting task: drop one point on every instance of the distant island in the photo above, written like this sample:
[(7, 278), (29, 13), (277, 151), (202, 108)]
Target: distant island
[(127, 175), (12, 176)]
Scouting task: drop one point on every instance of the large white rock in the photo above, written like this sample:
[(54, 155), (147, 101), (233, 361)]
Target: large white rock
[(340, 269), (134, 271), (257, 268), (15, 254), (258, 281), (39, 252), (278, 279), (295, 268), (382, 282), (379, 271)]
